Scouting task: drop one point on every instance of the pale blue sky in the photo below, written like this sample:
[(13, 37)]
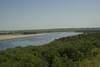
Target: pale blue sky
[(37, 14)]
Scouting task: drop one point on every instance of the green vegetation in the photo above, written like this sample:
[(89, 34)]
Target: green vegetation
[(76, 51), (17, 32)]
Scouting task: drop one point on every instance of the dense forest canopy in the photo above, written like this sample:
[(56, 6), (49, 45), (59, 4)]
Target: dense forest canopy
[(77, 51)]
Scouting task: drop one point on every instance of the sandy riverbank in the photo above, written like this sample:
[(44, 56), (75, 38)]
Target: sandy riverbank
[(4, 37)]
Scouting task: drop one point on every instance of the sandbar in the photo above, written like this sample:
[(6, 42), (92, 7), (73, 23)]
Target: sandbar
[(10, 36)]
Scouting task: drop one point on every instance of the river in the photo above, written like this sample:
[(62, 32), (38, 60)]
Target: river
[(34, 40)]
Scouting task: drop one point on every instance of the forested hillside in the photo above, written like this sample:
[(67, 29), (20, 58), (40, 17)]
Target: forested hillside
[(76, 51)]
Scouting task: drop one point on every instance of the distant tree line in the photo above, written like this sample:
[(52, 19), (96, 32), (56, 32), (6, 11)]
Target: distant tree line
[(19, 32)]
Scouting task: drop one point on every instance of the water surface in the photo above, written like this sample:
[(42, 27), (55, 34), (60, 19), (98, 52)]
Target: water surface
[(34, 40)]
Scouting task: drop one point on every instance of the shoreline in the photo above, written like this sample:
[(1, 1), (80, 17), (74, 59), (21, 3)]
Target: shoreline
[(10, 36)]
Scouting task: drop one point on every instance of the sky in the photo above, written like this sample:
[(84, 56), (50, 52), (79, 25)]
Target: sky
[(45, 14)]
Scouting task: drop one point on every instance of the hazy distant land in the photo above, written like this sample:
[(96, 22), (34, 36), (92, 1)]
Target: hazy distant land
[(34, 31)]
